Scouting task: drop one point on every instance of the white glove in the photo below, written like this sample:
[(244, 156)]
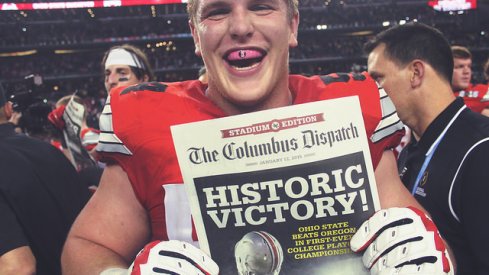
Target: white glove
[(172, 257), (402, 241)]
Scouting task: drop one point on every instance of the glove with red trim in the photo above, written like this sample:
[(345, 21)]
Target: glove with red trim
[(402, 241), (173, 257), (56, 117), (89, 138)]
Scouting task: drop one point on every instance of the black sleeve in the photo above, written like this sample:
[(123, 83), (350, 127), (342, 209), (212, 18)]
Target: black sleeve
[(475, 204), (11, 233)]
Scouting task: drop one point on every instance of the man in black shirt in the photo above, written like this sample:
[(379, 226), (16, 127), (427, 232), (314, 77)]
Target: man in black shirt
[(40, 196), (446, 166)]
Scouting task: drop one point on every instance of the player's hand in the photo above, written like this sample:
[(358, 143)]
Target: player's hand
[(173, 257), (402, 241), (56, 117)]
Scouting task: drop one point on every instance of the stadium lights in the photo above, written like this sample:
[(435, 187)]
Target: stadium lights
[(452, 5), (20, 53), (84, 4), (64, 51)]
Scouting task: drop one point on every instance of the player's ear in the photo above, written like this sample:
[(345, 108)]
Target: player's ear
[(8, 110), (195, 36), (294, 27), (417, 68)]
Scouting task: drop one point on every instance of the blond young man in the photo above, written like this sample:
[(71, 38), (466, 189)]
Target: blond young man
[(476, 97), (245, 48)]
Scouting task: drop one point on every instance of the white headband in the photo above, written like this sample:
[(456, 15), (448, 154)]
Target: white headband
[(120, 56)]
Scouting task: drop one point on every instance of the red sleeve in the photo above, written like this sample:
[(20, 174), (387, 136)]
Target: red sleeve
[(135, 133), (482, 91), (383, 127), (475, 97)]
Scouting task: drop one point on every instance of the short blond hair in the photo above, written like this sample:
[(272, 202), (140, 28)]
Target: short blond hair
[(193, 5), (461, 52)]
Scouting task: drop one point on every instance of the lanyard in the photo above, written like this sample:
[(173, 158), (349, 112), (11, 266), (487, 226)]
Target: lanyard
[(432, 150), (427, 160)]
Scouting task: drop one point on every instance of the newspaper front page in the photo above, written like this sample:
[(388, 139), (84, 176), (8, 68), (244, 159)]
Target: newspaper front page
[(280, 190)]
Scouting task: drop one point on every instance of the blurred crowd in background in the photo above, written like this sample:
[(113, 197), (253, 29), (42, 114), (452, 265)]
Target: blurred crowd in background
[(65, 47)]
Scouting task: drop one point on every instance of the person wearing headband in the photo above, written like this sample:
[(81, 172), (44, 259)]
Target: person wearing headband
[(125, 65)]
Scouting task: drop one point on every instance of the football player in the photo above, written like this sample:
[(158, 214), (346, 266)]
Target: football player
[(125, 65), (475, 97), (245, 48)]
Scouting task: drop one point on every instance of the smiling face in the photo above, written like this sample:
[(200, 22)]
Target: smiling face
[(245, 47), (462, 73)]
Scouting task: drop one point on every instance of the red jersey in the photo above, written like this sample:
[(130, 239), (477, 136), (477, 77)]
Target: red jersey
[(135, 133), (475, 97)]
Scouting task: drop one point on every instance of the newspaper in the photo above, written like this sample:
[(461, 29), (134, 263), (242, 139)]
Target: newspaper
[(299, 177), (73, 117)]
